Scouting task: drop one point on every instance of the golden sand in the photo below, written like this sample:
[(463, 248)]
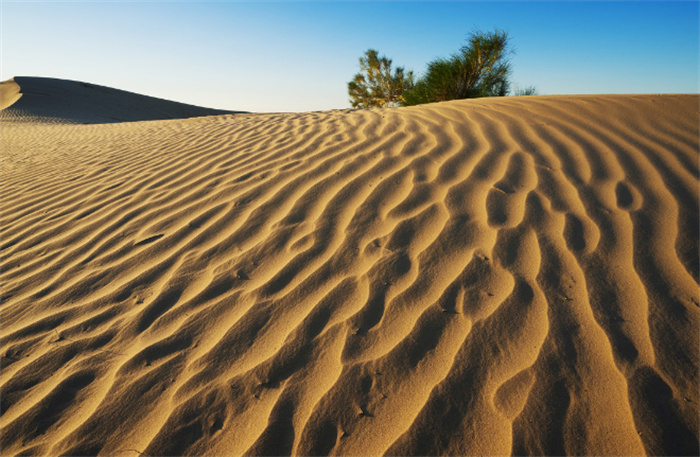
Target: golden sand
[(496, 276)]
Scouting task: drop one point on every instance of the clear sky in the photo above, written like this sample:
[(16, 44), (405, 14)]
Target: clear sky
[(299, 56)]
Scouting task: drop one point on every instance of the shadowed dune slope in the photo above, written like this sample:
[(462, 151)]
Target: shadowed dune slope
[(50, 100), (480, 277)]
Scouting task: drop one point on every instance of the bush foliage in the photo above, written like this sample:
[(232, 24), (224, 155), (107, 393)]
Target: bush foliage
[(480, 69), (376, 85), (530, 90)]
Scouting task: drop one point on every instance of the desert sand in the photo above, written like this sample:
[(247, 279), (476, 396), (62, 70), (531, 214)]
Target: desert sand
[(499, 276)]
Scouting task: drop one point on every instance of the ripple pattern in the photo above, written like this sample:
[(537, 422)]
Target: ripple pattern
[(485, 277)]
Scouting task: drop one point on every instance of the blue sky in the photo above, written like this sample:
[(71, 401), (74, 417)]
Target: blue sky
[(299, 56)]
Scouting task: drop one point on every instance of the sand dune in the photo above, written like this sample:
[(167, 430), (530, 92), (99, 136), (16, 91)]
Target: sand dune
[(481, 277), (50, 100)]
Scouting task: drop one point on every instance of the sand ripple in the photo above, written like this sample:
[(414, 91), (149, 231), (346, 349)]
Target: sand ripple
[(497, 276)]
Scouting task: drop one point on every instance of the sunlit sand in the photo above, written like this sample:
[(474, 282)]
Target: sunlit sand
[(511, 275)]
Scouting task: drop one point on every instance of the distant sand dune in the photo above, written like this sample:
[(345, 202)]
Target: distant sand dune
[(481, 277), (51, 100)]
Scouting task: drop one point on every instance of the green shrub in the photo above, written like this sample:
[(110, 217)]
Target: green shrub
[(375, 85), (480, 69), (530, 90)]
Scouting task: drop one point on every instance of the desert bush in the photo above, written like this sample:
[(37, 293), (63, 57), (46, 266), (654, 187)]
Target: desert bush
[(530, 90), (375, 85), (479, 69)]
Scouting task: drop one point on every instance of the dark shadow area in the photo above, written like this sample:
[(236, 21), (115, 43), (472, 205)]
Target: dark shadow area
[(662, 429), (58, 100)]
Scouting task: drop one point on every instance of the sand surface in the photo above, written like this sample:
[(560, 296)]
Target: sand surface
[(496, 276)]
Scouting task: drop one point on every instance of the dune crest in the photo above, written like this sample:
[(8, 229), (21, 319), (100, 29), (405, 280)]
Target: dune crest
[(494, 276)]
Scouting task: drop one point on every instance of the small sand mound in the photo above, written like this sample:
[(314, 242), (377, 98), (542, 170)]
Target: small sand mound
[(482, 277), (9, 93)]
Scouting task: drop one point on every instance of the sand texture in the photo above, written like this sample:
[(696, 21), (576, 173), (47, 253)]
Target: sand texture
[(481, 277)]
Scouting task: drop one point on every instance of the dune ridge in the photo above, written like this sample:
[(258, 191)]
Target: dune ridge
[(493, 276)]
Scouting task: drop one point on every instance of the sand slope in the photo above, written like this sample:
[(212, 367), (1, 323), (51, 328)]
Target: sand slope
[(495, 276), (51, 100)]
